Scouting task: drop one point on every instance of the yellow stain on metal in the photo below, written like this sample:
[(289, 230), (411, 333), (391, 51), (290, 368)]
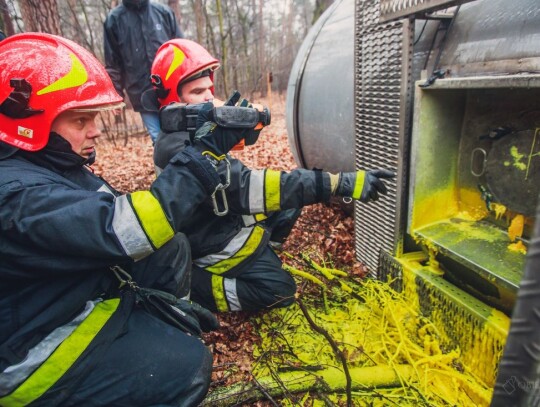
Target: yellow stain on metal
[(499, 210), (515, 229), (518, 159)]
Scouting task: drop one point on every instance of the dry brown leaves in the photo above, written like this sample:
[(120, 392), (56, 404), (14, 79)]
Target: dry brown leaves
[(323, 232)]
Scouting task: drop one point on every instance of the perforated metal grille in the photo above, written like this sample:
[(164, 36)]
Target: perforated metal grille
[(382, 86), (392, 9)]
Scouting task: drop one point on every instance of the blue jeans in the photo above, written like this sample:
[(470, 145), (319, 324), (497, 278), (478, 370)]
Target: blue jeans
[(151, 122)]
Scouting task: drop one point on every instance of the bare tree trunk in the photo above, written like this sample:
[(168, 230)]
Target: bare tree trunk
[(41, 15), (7, 24), (199, 19), (262, 50), (74, 22), (223, 45), (175, 7)]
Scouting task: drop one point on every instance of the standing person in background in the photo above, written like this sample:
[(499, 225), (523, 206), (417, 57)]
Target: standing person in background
[(133, 32), (2, 35)]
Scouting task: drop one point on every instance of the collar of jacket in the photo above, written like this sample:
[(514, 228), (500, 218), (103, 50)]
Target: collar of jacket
[(57, 155), (135, 4), (7, 150)]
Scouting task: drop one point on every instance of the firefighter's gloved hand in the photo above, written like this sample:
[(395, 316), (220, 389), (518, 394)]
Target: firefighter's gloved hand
[(253, 135), (362, 185), (211, 137), (197, 318)]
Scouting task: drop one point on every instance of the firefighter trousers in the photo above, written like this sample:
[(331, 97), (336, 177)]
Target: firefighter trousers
[(148, 363), (264, 284)]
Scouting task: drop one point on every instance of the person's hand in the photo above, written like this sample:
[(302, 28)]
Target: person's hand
[(217, 139), (253, 135), (198, 318), (363, 185)]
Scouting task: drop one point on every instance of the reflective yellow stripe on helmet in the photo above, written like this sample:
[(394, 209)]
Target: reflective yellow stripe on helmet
[(152, 218), (63, 357), (251, 244), (219, 293), (272, 190)]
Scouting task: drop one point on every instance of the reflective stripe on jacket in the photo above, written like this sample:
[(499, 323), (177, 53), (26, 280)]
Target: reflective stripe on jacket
[(47, 362), (226, 245), (61, 229)]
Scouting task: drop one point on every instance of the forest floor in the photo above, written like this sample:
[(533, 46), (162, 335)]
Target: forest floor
[(323, 231), (342, 326)]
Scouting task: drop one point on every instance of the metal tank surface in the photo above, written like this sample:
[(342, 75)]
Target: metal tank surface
[(320, 95), (320, 92)]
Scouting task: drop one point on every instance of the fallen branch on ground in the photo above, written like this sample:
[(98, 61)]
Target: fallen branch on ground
[(327, 381)]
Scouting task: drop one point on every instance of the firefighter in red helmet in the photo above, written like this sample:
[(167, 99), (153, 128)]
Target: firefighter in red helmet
[(93, 283), (234, 265)]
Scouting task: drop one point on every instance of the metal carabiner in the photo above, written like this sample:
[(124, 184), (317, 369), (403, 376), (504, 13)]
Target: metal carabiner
[(225, 205), (222, 188), (227, 174), (119, 272)]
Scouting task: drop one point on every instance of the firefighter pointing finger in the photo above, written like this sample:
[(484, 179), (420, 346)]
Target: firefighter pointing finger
[(93, 283), (234, 265)]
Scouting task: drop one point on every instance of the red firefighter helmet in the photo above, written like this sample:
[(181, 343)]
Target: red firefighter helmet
[(176, 62), (41, 76)]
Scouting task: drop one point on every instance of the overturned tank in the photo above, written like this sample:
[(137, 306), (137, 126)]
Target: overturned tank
[(447, 94)]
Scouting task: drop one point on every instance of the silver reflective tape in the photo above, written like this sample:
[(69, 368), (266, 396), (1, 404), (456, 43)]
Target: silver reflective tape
[(105, 188), (229, 251), (256, 191), (129, 231), (229, 284), (249, 220), (15, 375)]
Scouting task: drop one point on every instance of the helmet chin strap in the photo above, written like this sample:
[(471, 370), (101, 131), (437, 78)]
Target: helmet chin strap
[(16, 104)]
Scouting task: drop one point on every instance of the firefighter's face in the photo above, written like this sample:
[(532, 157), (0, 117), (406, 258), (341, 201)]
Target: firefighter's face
[(197, 91), (79, 129)]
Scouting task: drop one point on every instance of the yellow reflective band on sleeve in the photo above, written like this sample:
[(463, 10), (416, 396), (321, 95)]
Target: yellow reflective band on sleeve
[(152, 218), (63, 357), (219, 293), (359, 184), (272, 190), (260, 217), (251, 244)]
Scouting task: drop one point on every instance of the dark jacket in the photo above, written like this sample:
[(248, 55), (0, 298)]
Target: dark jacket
[(62, 227), (227, 245), (133, 32)]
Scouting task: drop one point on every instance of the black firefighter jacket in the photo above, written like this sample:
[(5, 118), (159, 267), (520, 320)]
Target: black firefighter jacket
[(133, 32), (227, 245), (61, 228)]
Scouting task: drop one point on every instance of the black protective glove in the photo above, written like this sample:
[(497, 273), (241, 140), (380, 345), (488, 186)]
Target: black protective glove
[(253, 135), (216, 139), (198, 318), (185, 315), (363, 185)]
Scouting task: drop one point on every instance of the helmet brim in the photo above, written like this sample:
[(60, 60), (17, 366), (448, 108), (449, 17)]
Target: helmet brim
[(100, 108)]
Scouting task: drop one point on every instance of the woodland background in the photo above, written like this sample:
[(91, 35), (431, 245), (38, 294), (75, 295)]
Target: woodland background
[(255, 40)]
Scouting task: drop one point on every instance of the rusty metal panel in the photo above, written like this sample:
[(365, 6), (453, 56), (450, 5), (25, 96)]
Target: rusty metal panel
[(394, 9), (382, 103)]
